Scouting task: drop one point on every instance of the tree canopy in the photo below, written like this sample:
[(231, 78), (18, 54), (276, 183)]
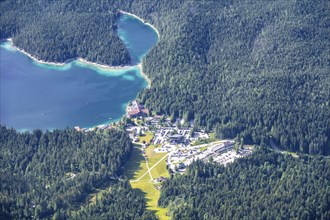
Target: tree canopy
[(253, 69), (54, 175), (266, 185), (58, 31)]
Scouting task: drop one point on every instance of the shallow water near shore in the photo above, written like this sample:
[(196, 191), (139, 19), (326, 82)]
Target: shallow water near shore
[(35, 95), (138, 36)]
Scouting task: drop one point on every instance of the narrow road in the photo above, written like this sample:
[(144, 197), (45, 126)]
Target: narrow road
[(277, 149), (149, 169), (147, 163)]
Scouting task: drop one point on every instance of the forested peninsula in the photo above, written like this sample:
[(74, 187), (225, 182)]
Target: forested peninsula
[(58, 31), (249, 69)]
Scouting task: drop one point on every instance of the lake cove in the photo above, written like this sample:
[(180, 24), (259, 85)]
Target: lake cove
[(137, 35), (44, 96), (37, 95)]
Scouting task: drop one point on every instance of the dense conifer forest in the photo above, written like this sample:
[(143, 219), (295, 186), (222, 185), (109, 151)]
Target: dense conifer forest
[(58, 31), (249, 69), (54, 175), (266, 185), (252, 69), (256, 69)]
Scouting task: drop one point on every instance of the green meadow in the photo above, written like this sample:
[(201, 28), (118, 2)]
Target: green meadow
[(136, 167)]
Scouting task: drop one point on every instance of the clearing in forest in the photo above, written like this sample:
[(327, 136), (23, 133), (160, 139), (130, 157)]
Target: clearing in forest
[(143, 179)]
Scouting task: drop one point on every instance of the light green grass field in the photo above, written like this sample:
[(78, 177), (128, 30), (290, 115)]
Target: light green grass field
[(153, 158), (203, 148), (136, 167), (146, 137), (152, 195)]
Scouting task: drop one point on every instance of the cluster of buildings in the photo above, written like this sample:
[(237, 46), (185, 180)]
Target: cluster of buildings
[(222, 152), (135, 109), (179, 141), (183, 156), (230, 156)]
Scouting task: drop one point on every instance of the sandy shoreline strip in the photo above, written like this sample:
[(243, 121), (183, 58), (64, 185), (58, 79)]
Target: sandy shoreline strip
[(135, 16), (79, 59), (6, 40), (10, 40), (144, 75), (104, 66), (84, 61)]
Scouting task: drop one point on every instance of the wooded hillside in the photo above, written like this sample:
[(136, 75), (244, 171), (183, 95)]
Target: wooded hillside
[(58, 31), (249, 69), (256, 69), (266, 185), (55, 174)]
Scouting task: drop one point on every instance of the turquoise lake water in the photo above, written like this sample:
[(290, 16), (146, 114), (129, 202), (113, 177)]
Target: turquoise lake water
[(137, 36), (34, 95)]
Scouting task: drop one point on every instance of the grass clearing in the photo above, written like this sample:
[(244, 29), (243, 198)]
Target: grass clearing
[(202, 149), (152, 195), (160, 170), (202, 141), (136, 167), (146, 137), (153, 157)]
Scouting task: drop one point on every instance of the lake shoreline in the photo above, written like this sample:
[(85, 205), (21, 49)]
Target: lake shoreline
[(144, 75), (140, 19), (79, 59), (82, 61)]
